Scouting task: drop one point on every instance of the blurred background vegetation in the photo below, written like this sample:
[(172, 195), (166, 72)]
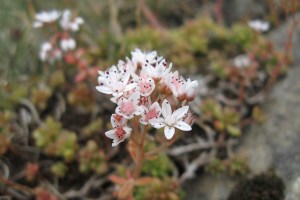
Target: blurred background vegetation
[(54, 124)]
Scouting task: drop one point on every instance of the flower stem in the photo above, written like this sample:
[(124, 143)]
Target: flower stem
[(140, 154)]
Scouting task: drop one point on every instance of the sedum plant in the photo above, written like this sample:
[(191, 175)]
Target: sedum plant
[(147, 95), (55, 141)]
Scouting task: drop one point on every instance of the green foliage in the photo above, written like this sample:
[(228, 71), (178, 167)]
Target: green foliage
[(56, 141), (81, 96), (225, 119), (5, 138), (218, 65), (233, 166), (57, 79), (91, 158), (258, 115), (145, 38), (59, 169), (12, 93), (93, 128), (158, 167), (40, 95), (159, 190), (242, 36)]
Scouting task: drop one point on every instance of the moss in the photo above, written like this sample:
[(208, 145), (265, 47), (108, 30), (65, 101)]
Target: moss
[(266, 186)]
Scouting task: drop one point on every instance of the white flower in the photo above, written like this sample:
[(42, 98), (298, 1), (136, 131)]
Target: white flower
[(259, 25), (192, 89), (241, 61), (181, 88), (49, 53), (45, 17), (158, 70), (129, 107), (67, 44), (45, 48), (145, 84), (152, 112), (115, 82), (140, 58), (127, 66), (120, 131), (69, 24), (170, 120)]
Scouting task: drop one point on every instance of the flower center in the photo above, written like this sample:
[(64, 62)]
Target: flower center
[(170, 121), (120, 133), (151, 114), (127, 108), (118, 118), (145, 87)]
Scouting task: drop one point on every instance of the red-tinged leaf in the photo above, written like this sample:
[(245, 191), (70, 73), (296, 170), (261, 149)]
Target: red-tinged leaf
[(126, 190), (144, 181), (80, 76), (70, 58), (117, 179)]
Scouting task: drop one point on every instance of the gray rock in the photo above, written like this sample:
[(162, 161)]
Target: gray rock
[(275, 144), (280, 36), (209, 187)]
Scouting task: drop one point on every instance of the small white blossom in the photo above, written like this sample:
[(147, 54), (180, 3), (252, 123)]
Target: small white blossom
[(157, 70), (241, 61), (45, 48), (192, 89), (128, 65), (145, 85), (259, 25), (181, 88), (129, 107), (171, 120), (49, 53), (114, 81), (69, 24), (140, 58), (45, 17), (120, 130), (149, 113), (67, 44)]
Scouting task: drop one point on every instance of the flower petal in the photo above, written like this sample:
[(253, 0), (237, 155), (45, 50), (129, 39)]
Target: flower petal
[(135, 97), (166, 109), (104, 89), (157, 123), (183, 126), (169, 132), (157, 108), (116, 142), (110, 134), (179, 113)]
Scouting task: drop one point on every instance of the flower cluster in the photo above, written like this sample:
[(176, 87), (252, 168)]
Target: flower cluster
[(63, 24), (145, 87)]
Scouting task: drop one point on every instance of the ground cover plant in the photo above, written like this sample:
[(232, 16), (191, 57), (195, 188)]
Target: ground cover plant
[(175, 102)]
